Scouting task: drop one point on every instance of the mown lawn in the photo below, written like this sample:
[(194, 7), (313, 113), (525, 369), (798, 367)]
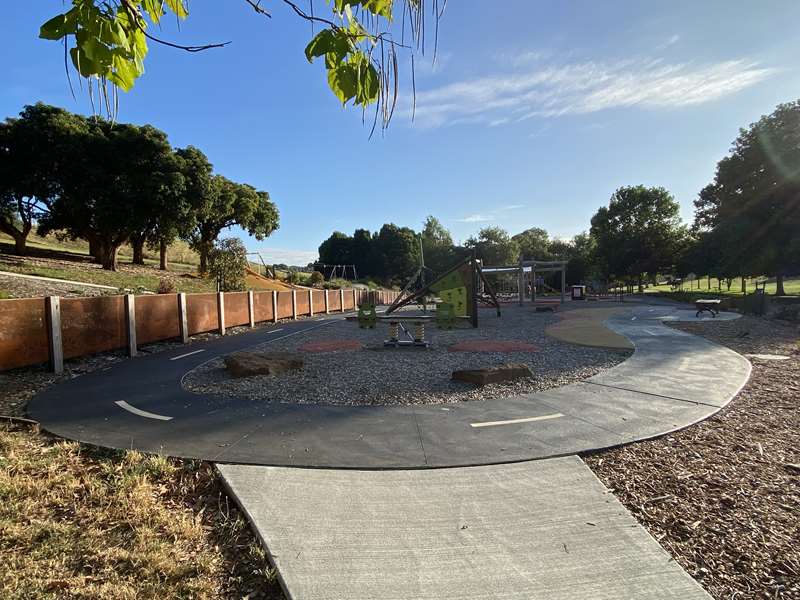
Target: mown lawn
[(791, 286), (80, 522)]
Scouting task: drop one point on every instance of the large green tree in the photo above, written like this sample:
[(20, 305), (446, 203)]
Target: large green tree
[(178, 216), (639, 233), (37, 152), (118, 175), (397, 248), (437, 245), (107, 41), (534, 243), (228, 204), (494, 246), (753, 205), (337, 250)]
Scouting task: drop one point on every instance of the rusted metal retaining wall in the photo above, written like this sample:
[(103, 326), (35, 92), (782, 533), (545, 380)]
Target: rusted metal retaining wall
[(41, 330)]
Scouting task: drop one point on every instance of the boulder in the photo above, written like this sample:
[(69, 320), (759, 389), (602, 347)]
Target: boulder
[(248, 364), (496, 374)]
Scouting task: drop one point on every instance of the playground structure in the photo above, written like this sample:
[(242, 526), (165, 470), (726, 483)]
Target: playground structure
[(337, 271), (461, 288), (528, 285), (269, 270)]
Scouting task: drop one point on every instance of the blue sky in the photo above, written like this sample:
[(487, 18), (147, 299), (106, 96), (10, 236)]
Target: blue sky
[(532, 116)]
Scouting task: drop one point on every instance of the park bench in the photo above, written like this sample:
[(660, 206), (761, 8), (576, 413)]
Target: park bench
[(707, 305)]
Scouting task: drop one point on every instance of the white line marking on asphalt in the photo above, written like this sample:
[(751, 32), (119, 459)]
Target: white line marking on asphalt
[(140, 412), (187, 354), (513, 421), (633, 318), (276, 330)]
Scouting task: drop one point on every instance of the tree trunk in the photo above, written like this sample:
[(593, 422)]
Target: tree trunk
[(744, 285), (779, 291), (95, 250), (708, 282), (162, 253), (137, 243), (108, 256), (20, 236), (20, 239), (203, 262)]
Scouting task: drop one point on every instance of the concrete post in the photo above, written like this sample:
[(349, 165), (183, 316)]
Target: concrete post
[(341, 300), (310, 303), (52, 307), (221, 312), (327, 304), (294, 305), (182, 319), (251, 308), (355, 302), (274, 306), (130, 322)]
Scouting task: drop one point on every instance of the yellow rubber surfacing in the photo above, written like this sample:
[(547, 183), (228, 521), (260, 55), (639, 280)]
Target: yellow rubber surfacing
[(584, 327)]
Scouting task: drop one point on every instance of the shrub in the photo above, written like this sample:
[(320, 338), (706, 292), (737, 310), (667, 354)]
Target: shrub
[(227, 263), (166, 286), (316, 279)]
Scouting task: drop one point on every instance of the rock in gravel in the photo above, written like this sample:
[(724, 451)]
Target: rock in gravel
[(497, 374), (247, 364)]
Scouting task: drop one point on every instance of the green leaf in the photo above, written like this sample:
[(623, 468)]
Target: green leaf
[(343, 81), (59, 26), (328, 42), (368, 85), (178, 7), (381, 8)]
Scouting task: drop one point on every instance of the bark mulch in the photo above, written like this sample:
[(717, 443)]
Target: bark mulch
[(723, 496)]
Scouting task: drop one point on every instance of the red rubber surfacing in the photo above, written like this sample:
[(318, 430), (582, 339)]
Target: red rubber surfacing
[(493, 346)]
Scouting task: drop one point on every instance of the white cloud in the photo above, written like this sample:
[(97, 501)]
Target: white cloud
[(582, 88), (296, 258), (670, 41), (511, 207), (476, 219)]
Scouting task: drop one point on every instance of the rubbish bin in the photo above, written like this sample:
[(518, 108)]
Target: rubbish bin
[(579, 292)]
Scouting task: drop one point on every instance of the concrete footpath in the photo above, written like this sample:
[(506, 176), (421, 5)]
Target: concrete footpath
[(544, 529)]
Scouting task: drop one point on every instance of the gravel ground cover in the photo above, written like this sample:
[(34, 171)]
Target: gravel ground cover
[(723, 496), (378, 375)]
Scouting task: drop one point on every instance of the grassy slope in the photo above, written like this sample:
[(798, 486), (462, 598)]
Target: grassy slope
[(182, 267), (80, 522), (120, 279)]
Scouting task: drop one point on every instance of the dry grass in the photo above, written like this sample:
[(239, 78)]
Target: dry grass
[(79, 522)]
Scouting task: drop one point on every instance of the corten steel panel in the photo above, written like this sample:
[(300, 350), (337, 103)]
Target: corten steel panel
[(23, 333), (91, 325), (262, 305), (333, 299), (284, 305), (319, 301), (201, 312), (302, 303), (157, 318), (236, 312), (348, 299)]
